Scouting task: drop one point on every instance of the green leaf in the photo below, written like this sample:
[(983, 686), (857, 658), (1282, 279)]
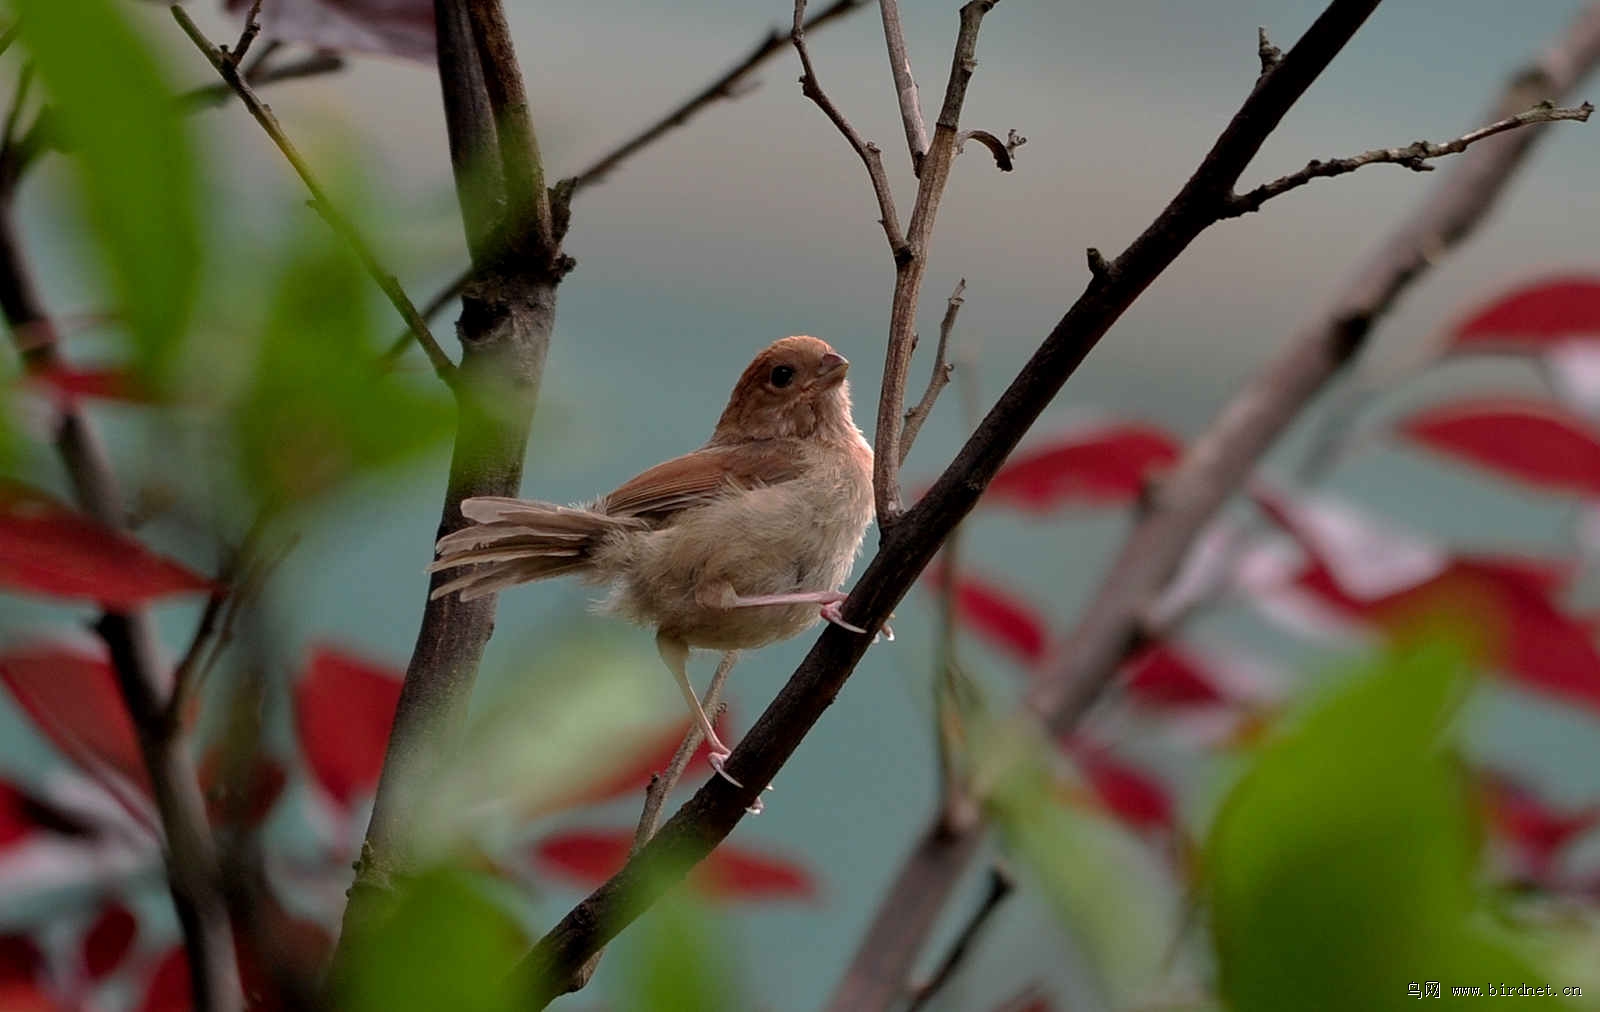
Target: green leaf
[(676, 960), (1341, 866), (317, 409), (113, 109), (444, 944)]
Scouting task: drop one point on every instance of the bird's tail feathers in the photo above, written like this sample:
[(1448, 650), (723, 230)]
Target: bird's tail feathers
[(514, 541)]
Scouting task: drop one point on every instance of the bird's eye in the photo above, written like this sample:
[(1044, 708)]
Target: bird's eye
[(782, 376)]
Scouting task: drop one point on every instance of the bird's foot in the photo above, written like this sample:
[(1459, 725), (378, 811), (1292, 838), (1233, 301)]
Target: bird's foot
[(831, 613), (715, 759)]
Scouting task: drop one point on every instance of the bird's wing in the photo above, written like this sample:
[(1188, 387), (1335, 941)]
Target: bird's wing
[(702, 476)]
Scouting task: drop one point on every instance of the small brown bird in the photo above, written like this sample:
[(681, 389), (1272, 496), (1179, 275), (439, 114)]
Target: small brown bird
[(731, 547)]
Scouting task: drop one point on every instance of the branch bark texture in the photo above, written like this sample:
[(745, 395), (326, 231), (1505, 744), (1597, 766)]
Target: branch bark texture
[(514, 231), (908, 545)]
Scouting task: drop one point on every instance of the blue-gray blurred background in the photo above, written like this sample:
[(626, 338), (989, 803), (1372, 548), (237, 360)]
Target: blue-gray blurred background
[(756, 221)]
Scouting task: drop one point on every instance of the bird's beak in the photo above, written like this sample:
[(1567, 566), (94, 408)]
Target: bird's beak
[(833, 364)]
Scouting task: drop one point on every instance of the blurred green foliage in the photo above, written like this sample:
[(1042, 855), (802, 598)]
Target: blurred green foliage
[(677, 960), (316, 407), (111, 106), (445, 945), (1341, 867)]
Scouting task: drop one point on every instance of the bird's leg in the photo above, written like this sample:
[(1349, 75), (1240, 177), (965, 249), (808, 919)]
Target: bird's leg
[(675, 654), (829, 599)]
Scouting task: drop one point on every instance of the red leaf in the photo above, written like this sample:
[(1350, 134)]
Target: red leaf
[(1526, 441), (345, 706), (47, 548), (108, 940), (71, 695), (22, 814), (168, 987), (1534, 317), (590, 857), (1166, 676), (1030, 999), (267, 778), (1534, 642), (1106, 466), (1132, 796), (997, 617), (734, 874), (391, 27), (1534, 828), (107, 383), (650, 758)]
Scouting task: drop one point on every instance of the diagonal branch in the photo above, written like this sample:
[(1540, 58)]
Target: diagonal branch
[(907, 547), (1414, 156), (347, 231), (1213, 466), (730, 85)]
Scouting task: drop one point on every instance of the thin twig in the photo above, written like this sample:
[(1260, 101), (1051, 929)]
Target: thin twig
[(908, 546), (1002, 150), (730, 85), (1414, 156), (1001, 884), (313, 65), (252, 28), (346, 230), (939, 378), (905, 86), (869, 152), (662, 785), (911, 265)]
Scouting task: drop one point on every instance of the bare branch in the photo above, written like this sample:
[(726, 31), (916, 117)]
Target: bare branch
[(192, 866), (939, 378), (313, 65), (1270, 55), (1002, 150), (325, 207), (1213, 466), (910, 268), (1414, 156), (1001, 885), (907, 547), (732, 84), (869, 153), (905, 86), (252, 28)]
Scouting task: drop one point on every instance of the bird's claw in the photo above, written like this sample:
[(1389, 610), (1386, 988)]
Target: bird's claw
[(832, 613), (715, 760)]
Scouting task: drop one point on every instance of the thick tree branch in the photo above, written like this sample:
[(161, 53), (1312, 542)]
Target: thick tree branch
[(193, 870), (939, 378), (1414, 156), (1213, 466), (347, 231), (905, 86), (908, 546), (507, 313), (871, 156)]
